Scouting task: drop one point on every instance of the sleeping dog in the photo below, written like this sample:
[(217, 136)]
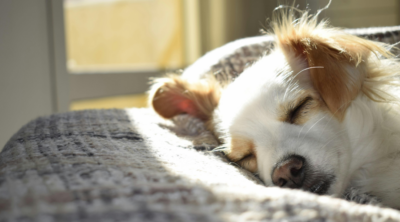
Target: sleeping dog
[(319, 113)]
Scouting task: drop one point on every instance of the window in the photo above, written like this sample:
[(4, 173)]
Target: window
[(115, 46), (124, 35)]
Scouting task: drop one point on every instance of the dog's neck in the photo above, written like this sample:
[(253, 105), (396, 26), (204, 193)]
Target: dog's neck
[(374, 134)]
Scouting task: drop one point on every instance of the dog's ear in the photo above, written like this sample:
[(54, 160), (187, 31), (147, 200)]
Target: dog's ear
[(337, 66), (337, 60), (174, 95)]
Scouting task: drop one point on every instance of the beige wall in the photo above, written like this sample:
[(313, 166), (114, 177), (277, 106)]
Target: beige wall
[(226, 20), (361, 13), (25, 79)]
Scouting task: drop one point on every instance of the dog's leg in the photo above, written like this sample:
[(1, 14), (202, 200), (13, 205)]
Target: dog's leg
[(354, 195)]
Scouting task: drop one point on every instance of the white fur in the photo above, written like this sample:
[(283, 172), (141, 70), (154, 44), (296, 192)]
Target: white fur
[(352, 136), (362, 151)]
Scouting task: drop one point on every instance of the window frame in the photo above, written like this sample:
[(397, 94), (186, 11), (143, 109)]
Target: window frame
[(69, 86)]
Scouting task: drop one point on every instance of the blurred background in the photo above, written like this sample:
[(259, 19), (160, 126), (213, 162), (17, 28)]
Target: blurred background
[(57, 56)]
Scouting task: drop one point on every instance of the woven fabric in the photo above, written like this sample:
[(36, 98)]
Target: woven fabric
[(131, 165), (247, 51)]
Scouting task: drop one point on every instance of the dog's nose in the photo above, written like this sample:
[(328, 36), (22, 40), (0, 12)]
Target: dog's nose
[(289, 172)]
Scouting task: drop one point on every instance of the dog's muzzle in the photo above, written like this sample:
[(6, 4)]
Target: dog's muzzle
[(294, 172)]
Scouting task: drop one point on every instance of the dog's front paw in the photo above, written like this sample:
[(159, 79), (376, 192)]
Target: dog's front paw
[(354, 195)]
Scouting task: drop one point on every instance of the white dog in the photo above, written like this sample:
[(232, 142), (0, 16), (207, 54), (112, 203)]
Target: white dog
[(319, 113)]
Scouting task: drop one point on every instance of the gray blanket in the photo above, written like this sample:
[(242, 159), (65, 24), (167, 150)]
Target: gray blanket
[(131, 165)]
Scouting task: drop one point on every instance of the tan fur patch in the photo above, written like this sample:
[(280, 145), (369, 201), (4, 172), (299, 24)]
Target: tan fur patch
[(249, 163), (242, 151)]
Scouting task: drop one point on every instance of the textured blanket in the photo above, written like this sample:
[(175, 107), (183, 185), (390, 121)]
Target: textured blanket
[(131, 165), (229, 61)]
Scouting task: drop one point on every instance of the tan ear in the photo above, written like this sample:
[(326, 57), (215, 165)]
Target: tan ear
[(341, 60), (242, 151), (343, 57), (343, 73), (173, 95)]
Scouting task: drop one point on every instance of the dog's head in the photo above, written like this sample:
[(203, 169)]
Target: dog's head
[(284, 117)]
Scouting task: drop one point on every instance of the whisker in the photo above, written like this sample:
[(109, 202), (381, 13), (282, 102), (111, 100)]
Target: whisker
[(293, 78), (316, 123), (326, 125), (323, 9), (333, 138), (311, 126)]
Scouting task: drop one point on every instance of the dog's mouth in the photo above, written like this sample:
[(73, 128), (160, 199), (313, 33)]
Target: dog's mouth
[(318, 184), (320, 188)]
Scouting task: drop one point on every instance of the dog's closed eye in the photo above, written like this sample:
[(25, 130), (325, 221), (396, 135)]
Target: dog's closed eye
[(296, 114)]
